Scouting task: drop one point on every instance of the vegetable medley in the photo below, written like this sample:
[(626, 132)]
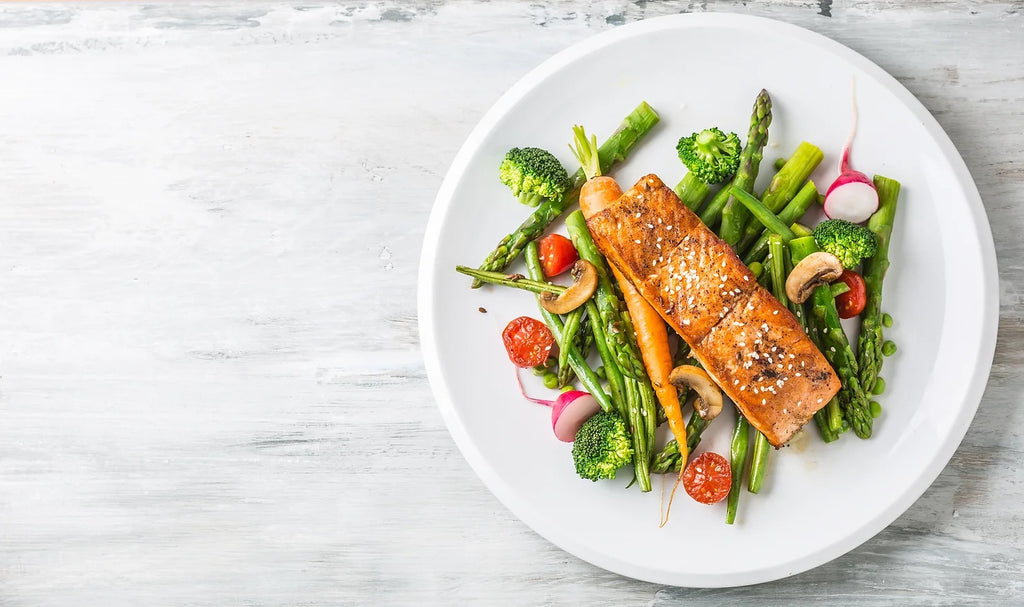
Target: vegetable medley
[(601, 330)]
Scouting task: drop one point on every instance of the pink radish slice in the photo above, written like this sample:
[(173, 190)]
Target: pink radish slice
[(567, 416), (568, 411), (852, 196), (852, 200)]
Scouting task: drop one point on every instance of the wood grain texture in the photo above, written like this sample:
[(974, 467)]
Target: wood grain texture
[(212, 391)]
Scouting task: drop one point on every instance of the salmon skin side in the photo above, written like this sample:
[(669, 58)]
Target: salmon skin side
[(747, 341)]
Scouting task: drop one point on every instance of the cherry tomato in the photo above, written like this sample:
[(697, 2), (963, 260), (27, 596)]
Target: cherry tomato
[(852, 302), (528, 341), (708, 478), (556, 254)]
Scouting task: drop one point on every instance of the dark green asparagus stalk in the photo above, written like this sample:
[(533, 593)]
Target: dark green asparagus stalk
[(869, 345), (692, 191), (739, 457), (613, 151), (791, 213), (785, 185), (734, 215), (828, 332), (578, 363)]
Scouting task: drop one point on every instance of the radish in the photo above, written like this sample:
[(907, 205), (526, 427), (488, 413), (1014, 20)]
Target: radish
[(852, 196), (568, 411)]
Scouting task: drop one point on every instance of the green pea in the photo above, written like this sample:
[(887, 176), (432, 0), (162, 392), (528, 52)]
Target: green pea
[(567, 387), (552, 363), (876, 408), (888, 348), (540, 370), (886, 320), (879, 386), (600, 372), (550, 380)]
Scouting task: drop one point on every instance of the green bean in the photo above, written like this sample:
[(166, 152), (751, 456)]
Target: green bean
[(739, 456)]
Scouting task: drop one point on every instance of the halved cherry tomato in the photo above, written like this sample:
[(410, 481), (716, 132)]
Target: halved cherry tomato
[(556, 254), (708, 478), (852, 302), (528, 341)]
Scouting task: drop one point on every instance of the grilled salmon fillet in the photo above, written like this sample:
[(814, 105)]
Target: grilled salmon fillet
[(748, 342)]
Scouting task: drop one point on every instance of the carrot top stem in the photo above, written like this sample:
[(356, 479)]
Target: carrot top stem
[(586, 151)]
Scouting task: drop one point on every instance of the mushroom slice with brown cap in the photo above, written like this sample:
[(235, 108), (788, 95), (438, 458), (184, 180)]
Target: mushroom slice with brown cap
[(709, 396), (584, 276), (816, 269)]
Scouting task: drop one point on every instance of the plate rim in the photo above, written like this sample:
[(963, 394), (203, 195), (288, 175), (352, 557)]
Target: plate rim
[(958, 428)]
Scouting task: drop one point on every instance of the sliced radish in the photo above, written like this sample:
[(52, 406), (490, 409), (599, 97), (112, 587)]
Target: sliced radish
[(852, 196), (568, 411), (852, 200), (568, 415)]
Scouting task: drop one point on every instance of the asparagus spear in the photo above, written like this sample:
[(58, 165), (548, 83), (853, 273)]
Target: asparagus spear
[(692, 191), (633, 128), (785, 184), (734, 215), (828, 332), (669, 459), (869, 345)]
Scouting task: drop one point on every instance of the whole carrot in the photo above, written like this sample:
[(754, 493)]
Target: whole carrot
[(651, 333)]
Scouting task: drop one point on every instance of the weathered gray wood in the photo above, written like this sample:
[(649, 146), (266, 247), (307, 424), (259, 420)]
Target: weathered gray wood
[(211, 386)]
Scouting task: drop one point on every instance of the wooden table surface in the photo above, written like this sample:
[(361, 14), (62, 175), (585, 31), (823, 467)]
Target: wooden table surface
[(211, 387)]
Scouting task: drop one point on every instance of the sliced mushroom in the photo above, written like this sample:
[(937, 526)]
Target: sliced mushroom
[(709, 397), (584, 276), (816, 269)]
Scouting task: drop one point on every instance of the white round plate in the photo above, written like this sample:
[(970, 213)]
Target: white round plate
[(820, 500)]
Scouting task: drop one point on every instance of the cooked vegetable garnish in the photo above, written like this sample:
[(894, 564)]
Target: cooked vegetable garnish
[(848, 241), (601, 447), (708, 478), (817, 269), (556, 254), (851, 301), (739, 454), (584, 276), (534, 175), (527, 341), (711, 155)]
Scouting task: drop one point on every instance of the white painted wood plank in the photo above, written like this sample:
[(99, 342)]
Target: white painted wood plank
[(211, 386)]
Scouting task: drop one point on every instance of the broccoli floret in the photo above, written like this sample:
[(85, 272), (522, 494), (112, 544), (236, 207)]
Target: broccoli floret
[(711, 155), (534, 175), (846, 240), (602, 446)]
